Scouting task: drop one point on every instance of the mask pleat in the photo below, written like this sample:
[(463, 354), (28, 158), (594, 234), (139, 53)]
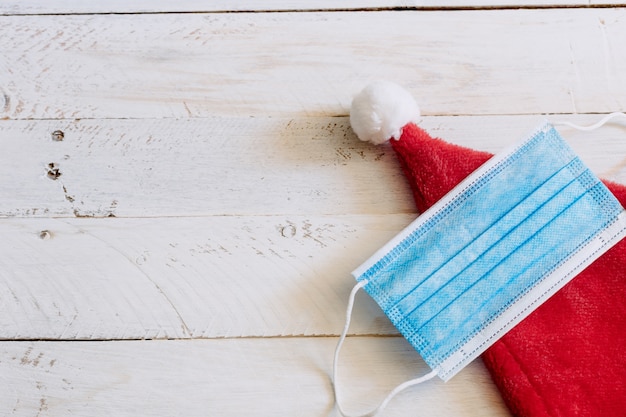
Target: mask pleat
[(507, 279), (436, 284), (491, 197), (449, 230)]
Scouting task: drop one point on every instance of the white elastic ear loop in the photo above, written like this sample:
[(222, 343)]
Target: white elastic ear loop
[(594, 126), (342, 338)]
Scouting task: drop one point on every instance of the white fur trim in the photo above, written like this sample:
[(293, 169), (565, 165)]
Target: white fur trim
[(381, 110)]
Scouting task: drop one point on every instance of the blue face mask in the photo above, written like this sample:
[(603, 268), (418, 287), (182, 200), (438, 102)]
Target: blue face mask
[(491, 251)]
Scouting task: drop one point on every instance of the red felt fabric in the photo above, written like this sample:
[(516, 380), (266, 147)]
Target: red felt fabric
[(568, 358)]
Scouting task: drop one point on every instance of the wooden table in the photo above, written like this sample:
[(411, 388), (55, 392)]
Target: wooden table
[(182, 198)]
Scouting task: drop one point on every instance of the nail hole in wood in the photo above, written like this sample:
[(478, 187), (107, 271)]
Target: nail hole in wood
[(58, 135), (53, 171), (288, 231)]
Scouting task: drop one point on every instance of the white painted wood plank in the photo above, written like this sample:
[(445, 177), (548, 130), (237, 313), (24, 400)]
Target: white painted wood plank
[(27, 7), (187, 277), (192, 167), (239, 166), (269, 377), (184, 276), (199, 65)]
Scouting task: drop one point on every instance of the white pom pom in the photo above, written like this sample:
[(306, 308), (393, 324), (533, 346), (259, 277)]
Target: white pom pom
[(381, 110)]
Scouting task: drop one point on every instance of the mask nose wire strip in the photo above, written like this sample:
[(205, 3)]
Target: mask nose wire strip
[(594, 126), (342, 338)]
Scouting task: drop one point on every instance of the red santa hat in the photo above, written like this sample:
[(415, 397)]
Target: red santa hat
[(568, 358)]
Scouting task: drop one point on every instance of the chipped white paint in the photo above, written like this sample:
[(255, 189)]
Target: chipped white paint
[(212, 191), (272, 377), (18, 7), (281, 64), (239, 166), (220, 276), (191, 167)]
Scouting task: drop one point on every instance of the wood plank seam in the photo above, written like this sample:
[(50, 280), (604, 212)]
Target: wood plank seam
[(451, 8)]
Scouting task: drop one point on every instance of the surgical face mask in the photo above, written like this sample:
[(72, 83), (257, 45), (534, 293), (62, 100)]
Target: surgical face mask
[(490, 252)]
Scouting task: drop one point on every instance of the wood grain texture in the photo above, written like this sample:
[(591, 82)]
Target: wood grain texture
[(280, 64), (187, 277), (161, 270), (240, 166), (29, 7), (191, 167), (208, 188), (231, 377)]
